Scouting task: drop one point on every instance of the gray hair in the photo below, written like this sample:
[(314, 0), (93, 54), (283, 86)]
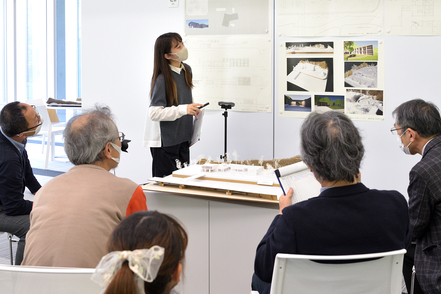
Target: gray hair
[(420, 116), (86, 135), (331, 145)]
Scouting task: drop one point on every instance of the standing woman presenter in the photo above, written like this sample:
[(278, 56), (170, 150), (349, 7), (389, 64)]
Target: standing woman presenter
[(171, 106)]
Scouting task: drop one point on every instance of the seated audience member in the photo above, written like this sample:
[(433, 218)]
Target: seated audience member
[(347, 217), (147, 250), (18, 121), (75, 213)]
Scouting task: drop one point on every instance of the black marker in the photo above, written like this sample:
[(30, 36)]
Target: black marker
[(200, 107)]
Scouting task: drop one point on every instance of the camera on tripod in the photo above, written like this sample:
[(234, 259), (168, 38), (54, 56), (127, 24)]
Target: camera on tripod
[(226, 105)]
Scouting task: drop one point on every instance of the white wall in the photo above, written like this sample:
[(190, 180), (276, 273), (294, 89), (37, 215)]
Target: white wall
[(117, 42)]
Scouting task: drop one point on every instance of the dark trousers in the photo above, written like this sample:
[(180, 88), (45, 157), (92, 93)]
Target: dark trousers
[(17, 225), (407, 270), (167, 159)]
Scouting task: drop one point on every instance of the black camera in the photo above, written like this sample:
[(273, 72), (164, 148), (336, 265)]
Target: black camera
[(125, 145), (226, 105)]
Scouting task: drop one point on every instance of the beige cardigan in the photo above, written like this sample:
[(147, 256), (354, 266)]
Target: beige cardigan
[(73, 216)]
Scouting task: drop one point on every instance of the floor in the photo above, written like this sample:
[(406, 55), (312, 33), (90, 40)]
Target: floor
[(60, 165)]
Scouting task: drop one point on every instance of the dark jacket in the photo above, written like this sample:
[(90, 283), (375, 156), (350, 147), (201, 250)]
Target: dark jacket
[(15, 174), (425, 216), (340, 221)]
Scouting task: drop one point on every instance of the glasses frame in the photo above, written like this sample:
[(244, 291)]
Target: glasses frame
[(394, 130)]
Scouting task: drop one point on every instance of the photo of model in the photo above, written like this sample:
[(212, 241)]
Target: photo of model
[(367, 102), (325, 103), (298, 103), (361, 74), (310, 74), (309, 47), (360, 50)]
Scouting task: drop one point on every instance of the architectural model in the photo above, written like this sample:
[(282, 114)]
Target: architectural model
[(362, 76), (360, 103), (318, 70), (311, 49)]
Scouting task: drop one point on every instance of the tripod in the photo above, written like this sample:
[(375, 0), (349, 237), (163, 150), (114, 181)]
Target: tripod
[(225, 106)]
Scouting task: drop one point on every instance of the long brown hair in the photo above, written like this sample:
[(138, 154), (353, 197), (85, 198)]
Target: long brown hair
[(143, 230), (163, 45)]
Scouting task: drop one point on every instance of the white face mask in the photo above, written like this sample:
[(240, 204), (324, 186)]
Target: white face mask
[(404, 149), (182, 54), (117, 148)]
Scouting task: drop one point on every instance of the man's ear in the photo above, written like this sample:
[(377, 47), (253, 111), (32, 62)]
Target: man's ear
[(413, 134), (107, 150)]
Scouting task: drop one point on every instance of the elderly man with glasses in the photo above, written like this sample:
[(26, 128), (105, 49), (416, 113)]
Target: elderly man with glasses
[(75, 213), (18, 121), (418, 130)]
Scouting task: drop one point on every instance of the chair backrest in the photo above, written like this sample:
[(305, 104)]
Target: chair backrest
[(363, 273), (46, 280)]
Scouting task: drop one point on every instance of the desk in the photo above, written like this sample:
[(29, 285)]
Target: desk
[(223, 236), (76, 109)]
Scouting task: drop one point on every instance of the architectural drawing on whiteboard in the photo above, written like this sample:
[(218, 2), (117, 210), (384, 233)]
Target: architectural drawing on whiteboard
[(329, 17), (365, 102), (309, 75), (410, 17), (228, 19), (301, 48), (236, 69), (361, 75)]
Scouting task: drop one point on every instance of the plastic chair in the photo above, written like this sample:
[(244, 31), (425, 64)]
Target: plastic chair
[(48, 130), (344, 274), (47, 280)]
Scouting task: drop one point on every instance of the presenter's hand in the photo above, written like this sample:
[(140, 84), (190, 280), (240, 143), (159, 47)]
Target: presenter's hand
[(285, 200), (193, 109)]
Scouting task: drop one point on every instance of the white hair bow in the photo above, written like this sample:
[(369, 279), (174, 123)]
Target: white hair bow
[(144, 263)]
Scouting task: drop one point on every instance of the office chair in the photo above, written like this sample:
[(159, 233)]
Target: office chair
[(378, 273)]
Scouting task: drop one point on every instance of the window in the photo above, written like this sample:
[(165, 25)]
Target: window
[(40, 50)]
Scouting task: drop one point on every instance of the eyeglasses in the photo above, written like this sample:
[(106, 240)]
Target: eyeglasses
[(39, 120), (35, 108), (394, 130), (121, 136)]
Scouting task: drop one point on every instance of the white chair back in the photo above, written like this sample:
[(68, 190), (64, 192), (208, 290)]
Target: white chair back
[(46, 280), (376, 273)]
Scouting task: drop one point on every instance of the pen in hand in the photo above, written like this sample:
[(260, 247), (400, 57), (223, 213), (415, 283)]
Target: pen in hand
[(200, 107)]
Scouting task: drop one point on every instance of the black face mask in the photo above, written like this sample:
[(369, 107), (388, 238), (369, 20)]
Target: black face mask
[(125, 145)]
